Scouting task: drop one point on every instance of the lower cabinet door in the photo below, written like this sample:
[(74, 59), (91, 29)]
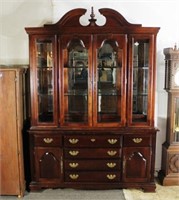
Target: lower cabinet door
[(48, 164), (136, 164)]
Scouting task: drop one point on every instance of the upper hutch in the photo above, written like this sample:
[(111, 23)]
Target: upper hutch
[(92, 103)]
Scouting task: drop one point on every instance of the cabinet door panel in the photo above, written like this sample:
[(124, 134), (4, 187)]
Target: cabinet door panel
[(48, 163), (43, 81), (109, 79), (141, 80), (136, 164), (76, 72)]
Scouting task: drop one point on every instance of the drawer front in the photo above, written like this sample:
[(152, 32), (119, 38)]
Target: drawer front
[(92, 153), (92, 176), (48, 140), (75, 165), (92, 141), (137, 140)]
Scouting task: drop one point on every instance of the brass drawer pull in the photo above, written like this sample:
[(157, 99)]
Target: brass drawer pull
[(73, 165), (48, 140), (111, 165), (111, 153), (73, 153), (111, 176), (137, 140), (74, 176), (73, 141), (112, 141), (93, 140)]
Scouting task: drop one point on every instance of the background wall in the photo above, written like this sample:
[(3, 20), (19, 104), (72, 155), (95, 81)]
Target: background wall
[(17, 14)]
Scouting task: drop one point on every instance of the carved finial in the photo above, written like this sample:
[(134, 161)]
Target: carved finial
[(175, 47), (92, 20)]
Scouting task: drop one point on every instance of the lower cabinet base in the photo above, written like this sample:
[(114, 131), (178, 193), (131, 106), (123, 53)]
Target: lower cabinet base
[(93, 159), (146, 187)]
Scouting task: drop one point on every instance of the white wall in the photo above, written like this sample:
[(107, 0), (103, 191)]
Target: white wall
[(17, 14)]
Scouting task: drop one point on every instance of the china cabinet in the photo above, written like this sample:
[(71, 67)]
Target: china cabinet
[(92, 103), (12, 116), (169, 174)]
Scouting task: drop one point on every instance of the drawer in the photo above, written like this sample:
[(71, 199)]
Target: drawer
[(95, 176), (48, 140), (75, 165), (92, 153), (137, 140), (92, 141)]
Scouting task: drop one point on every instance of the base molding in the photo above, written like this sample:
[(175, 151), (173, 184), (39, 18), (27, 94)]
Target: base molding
[(168, 180)]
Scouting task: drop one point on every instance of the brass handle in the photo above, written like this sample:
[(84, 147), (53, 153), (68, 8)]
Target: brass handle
[(137, 140), (48, 140), (73, 153), (111, 165), (74, 176), (112, 141), (73, 141), (93, 140), (111, 153), (111, 176), (73, 165)]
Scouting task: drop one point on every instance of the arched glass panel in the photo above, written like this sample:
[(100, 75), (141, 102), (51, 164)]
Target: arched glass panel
[(76, 82), (109, 82)]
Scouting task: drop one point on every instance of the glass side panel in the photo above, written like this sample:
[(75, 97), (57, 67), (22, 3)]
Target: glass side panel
[(109, 82), (44, 60), (76, 83), (140, 80), (176, 120)]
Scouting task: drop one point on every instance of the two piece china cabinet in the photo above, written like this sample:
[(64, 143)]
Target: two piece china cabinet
[(92, 103)]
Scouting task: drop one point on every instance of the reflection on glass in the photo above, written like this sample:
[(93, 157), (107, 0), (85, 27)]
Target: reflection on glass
[(44, 60), (109, 82), (76, 82), (140, 80), (176, 120)]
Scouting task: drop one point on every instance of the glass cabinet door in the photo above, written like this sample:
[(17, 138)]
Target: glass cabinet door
[(44, 70), (109, 90), (141, 84), (75, 75)]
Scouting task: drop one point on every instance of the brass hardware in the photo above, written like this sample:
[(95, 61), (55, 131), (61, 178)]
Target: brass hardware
[(61, 164), (93, 140), (74, 176), (137, 140), (111, 176), (111, 153), (111, 165), (48, 140), (73, 165), (73, 153), (73, 141), (112, 141)]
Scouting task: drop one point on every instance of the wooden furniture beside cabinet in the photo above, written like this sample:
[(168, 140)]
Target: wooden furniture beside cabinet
[(169, 174), (92, 103), (12, 181)]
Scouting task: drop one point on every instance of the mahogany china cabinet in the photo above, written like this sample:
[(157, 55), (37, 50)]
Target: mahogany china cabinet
[(92, 103)]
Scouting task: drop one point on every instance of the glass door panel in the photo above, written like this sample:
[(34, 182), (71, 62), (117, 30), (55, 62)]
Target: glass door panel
[(75, 82), (45, 80), (176, 119), (109, 71), (140, 80)]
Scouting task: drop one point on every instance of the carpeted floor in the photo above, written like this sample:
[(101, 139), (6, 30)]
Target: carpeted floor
[(162, 193), (70, 194)]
